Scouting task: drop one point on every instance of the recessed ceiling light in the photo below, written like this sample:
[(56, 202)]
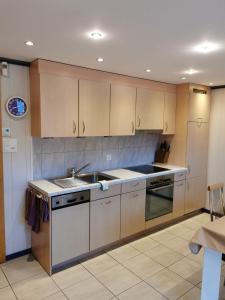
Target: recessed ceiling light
[(191, 71), (29, 43), (206, 47), (148, 70), (183, 78), (211, 83), (96, 35), (99, 59)]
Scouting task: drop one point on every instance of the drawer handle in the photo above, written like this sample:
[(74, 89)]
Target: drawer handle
[(84, 127), (135, 184), (135, 196), (74, 127), (180, 184), (108, 202), (139, 121)]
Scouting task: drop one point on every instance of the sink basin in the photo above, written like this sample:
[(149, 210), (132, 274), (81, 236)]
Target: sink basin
[(69, 182), (95, 177)]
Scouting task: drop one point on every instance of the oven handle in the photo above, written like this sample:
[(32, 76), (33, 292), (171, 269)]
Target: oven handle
[(160, 187)]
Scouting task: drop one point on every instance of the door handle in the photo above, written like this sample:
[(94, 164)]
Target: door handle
[(83, 127), (74, 127), (132, 127)]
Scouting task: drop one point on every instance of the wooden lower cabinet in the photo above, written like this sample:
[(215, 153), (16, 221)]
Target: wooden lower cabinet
[(178, 199), (195, 194), (132, 213), (104, 222)]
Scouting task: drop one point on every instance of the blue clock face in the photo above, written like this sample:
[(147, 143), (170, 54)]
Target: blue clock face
[(16, 107)]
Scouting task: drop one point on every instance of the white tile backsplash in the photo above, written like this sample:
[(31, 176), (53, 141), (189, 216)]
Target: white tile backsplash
[(54, 157)]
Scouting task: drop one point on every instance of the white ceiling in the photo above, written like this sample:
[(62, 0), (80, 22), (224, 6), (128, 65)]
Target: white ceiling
[(155, 34)]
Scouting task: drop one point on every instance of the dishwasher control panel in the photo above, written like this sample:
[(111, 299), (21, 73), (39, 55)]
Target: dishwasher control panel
[(70, 199)]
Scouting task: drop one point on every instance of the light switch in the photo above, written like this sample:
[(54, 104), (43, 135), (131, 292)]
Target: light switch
[(6, 132), (9, 145)]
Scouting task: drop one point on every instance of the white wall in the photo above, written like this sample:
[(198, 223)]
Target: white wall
[(17, 166), (216, 157)]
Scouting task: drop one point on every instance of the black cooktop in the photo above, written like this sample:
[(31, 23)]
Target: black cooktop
[(146, 169)]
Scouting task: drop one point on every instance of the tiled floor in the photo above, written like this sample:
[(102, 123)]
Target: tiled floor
[(157, 267)]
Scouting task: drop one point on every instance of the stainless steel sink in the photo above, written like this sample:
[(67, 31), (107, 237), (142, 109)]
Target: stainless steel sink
[(69, 182), (95, 177)]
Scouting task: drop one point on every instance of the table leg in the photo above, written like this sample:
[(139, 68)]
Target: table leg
[(211, 275)]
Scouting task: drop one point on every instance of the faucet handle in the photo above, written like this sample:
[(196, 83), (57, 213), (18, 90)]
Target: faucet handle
[(72, 172)]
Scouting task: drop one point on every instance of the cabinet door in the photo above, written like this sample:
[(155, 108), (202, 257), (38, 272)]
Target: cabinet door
[(70, 233), (122, 110), (94, 100), (59, 106), (178, 198), (169, 113), (195, 195), (132, 212), (149, 109), (104, 222), (199, 107), (197, 149)]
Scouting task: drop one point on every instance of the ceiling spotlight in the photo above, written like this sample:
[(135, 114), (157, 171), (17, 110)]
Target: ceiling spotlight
[(191, 71), (99, 59), (148, 70), (211, 83), (96, 35), (206, 47), (183, 78), (29, 43)]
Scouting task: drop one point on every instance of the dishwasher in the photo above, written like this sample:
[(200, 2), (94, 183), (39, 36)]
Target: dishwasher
[(70, 226)]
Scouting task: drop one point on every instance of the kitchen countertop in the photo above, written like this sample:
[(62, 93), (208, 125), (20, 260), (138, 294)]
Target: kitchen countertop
[(50, 189)]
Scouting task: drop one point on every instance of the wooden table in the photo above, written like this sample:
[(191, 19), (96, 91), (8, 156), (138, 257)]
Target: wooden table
[(212, 237)]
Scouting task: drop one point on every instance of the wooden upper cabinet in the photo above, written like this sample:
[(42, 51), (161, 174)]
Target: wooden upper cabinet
[(149, 109), (122, 110), (54, 105), (94, 104), (199, 106), (169, 114)]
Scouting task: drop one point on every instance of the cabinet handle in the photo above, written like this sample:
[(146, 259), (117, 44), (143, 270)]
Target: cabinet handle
[(74, 127), (132, 127), (135, 184), (135, 196), (189, 169), (139, 122), (166, 126), (108, 202), (180, 184), (83, 127)]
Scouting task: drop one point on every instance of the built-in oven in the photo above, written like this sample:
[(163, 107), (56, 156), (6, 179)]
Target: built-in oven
[(159, 196)]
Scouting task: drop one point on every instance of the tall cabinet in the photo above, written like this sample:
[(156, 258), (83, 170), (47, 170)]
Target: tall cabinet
[(189, 147)]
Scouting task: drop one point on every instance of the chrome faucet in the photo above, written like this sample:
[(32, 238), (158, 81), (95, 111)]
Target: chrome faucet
[(74, 172)]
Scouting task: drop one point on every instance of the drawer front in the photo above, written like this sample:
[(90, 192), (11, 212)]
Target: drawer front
[(133, 185), (179, 176), (112, 191)]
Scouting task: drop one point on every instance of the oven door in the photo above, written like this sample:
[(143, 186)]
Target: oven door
[(159, 201)]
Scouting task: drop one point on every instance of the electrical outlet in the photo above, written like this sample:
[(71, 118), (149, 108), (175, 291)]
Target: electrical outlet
[(6, 132), (108, 157)]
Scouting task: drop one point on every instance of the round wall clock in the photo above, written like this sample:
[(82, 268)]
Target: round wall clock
[(16, 107)]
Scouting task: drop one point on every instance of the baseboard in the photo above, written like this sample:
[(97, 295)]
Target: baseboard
[(18, 254)]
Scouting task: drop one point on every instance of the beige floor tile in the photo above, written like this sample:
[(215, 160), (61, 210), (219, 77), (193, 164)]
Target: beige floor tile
[(3, 281), (202, 218), (118, 279), (162, 236), (57, 296), (187, 235), (142, 266), (35, 288), (164, 255), (100, 264), (20, 269), (193, 294), (71, 276), (178, 229), (169, 284), (7, 294), (123, 253), (144, 244), (141, 291), (179, 245), (88, 289), (188, 269), (191, 224)]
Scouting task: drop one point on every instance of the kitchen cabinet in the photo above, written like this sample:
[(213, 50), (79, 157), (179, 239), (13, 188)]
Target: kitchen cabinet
[(54, 105), (149, 109), (199, 106), (133, 185), (94, 104), (132, 213), (197, 148), (169, 115), (195, 194), (122, 110), (178, 198), (104, 221)]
